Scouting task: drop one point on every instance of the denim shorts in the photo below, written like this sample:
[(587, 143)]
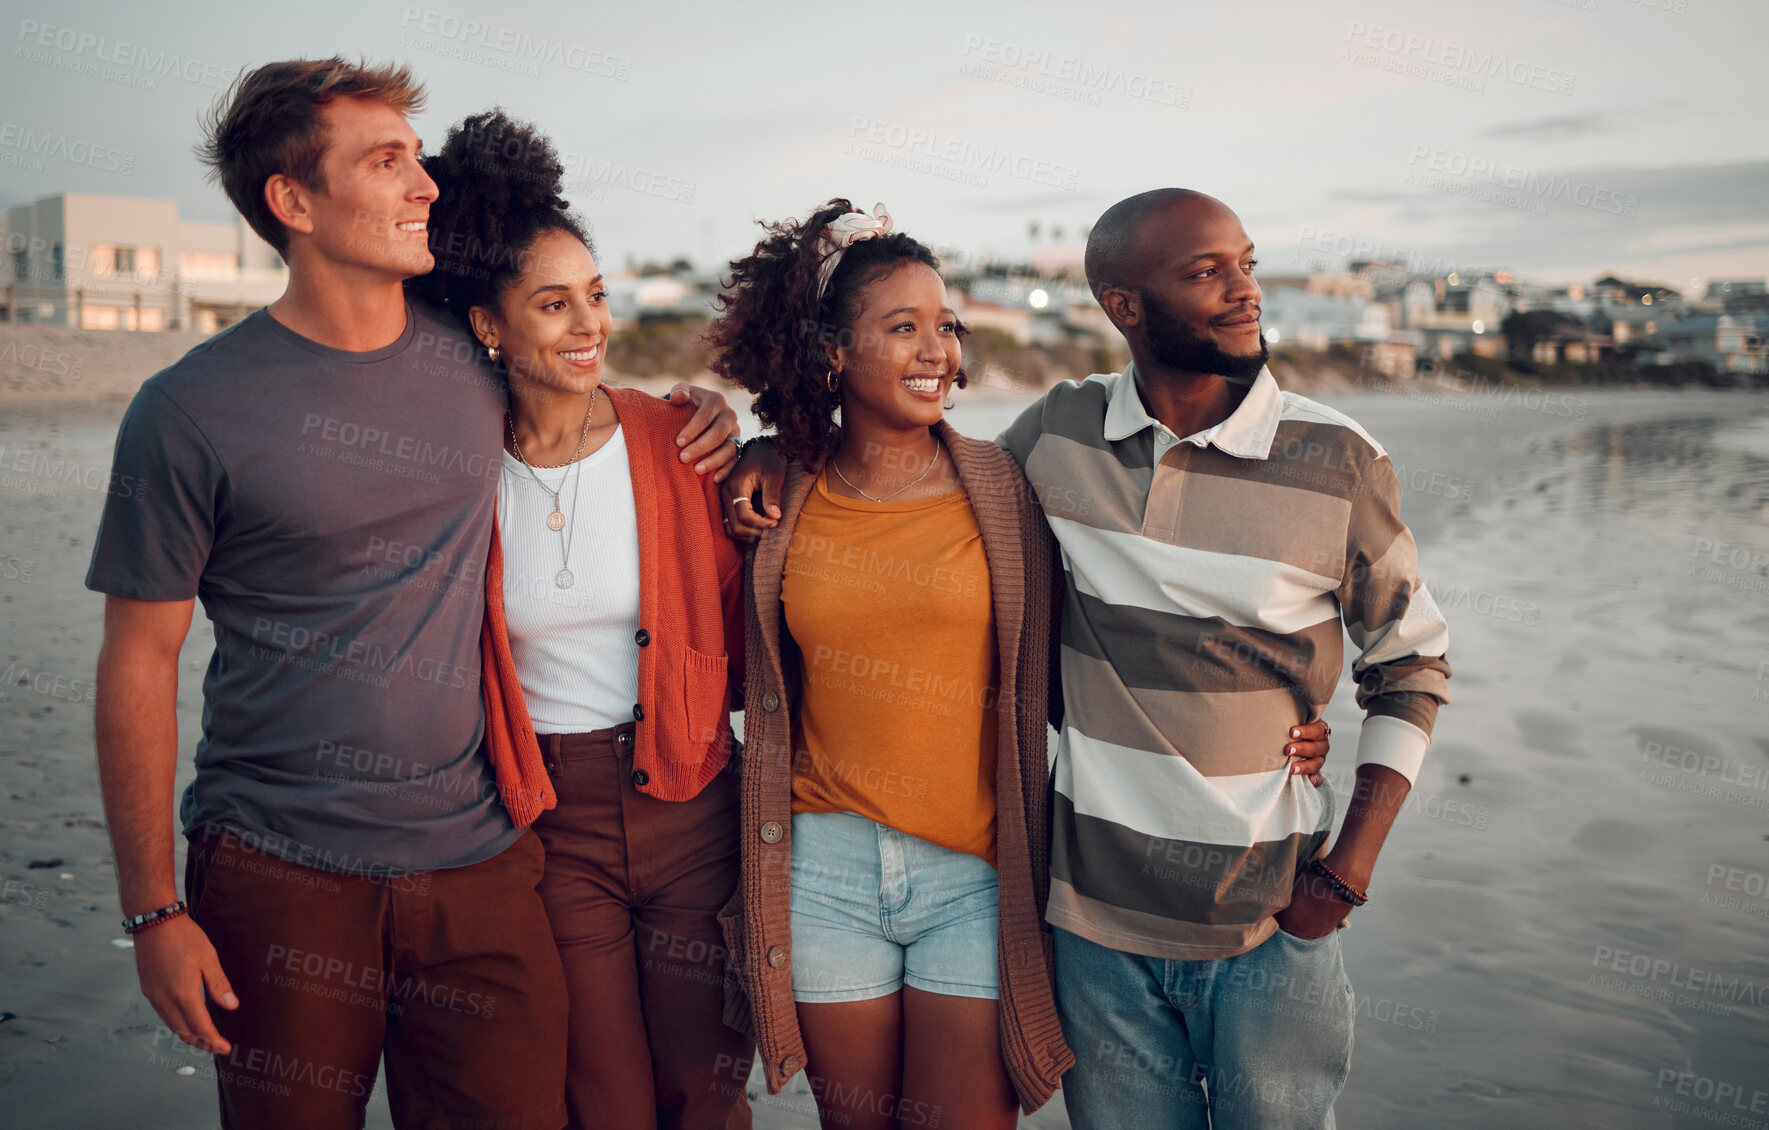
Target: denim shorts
[(874, 909)]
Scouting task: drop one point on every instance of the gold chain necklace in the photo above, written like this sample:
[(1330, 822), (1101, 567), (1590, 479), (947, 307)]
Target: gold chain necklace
[(836, 463)]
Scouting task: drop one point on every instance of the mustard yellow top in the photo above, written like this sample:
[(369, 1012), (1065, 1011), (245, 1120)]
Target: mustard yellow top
[(889, 605)]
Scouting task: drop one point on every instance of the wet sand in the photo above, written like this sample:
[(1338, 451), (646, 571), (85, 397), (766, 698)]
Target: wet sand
[(1574, 935)]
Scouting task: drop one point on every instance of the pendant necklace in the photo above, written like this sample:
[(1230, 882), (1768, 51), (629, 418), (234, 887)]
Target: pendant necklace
[(556, 519)]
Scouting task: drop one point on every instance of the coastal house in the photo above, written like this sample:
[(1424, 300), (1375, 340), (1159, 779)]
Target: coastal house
[(1731, 343), (1032, 309), (1313, 315), (130, 263), (1739, 296)]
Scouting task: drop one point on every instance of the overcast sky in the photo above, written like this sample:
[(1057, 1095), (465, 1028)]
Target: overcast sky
[(1561, 139)]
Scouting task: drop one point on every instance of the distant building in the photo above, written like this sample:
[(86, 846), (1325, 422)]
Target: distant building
[(634, 298), (1630, 325), (1740, 296), (1612, 292), (1035, 310), (1731, 343), (129, 263), (1573, 343), (1719, 290), (1306, 317)]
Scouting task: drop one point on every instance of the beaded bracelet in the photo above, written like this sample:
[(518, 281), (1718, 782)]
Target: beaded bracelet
[(1340, 887), (155, 917)]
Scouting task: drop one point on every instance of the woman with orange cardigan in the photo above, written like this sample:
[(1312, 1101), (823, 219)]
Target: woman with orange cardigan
[(612, 639)]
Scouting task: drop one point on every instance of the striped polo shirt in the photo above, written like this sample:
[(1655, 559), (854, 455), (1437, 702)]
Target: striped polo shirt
[(1208, 576)]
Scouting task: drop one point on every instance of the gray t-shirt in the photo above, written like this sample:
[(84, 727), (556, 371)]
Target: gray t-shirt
[(333, 511)]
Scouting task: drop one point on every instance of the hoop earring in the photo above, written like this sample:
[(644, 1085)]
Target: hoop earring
[(832, 381)]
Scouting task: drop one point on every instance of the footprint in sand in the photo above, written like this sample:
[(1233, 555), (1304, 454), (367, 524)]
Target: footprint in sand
[(1610, 836), (1547, 732)]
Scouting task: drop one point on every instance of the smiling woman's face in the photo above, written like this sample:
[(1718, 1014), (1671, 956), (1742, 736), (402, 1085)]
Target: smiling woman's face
[(901, 352), (552, 323)]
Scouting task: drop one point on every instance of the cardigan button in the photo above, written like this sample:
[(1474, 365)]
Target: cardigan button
[(638, 712), (776, 956), (641, 637), (640, 777), (791, 1065), (770, 831), (770, 701)]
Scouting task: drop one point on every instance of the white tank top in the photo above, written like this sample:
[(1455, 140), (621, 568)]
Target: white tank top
[(574, 650)]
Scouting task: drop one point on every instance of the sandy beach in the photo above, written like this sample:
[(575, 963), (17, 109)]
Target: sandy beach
[(1567, 927)]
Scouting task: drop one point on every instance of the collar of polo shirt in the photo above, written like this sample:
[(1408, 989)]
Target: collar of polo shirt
[(1246, 434)]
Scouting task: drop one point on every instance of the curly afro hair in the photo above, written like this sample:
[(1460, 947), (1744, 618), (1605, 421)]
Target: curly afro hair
[(772, 332), (498, 182)]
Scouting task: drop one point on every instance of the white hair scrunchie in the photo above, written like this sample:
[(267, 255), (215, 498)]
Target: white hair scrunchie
[(843, 232)]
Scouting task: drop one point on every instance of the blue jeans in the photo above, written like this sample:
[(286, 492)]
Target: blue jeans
[(1261, 1040)]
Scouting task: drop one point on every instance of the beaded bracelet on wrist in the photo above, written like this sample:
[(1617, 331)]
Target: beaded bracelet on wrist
[(1340, 887), (154, 918)]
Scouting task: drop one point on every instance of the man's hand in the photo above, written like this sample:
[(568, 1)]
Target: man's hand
[(1375, 801), (178, 968), (1307, 750), (710, 434), (1314, 910), (760, 469)]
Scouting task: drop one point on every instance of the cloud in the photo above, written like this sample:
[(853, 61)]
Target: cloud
[(1562, 127)]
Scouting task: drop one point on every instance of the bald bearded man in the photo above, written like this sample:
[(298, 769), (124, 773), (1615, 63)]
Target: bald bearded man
[(1216, 532)]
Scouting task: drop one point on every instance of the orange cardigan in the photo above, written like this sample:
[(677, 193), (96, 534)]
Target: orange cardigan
[(690, 621)]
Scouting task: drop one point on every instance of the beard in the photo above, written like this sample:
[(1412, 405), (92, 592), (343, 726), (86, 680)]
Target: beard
[(1176, 346)]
